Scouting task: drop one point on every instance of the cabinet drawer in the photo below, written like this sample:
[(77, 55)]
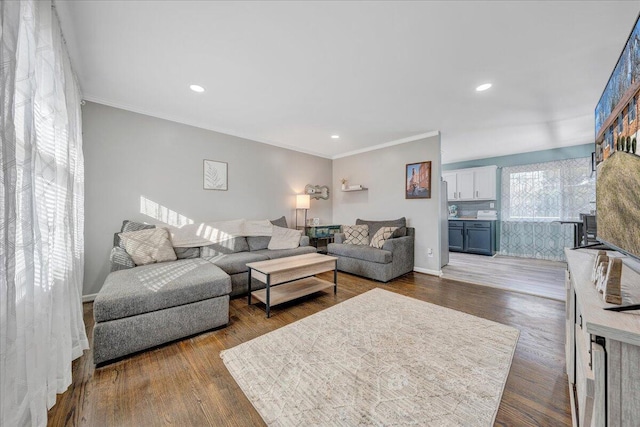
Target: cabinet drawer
[(456, 224), (478, 224)]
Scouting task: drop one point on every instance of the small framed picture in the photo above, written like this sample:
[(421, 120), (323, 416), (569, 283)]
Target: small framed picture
[(418, 181), (215, 175)]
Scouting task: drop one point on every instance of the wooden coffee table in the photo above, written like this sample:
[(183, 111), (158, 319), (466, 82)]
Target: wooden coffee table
[(291, 277)]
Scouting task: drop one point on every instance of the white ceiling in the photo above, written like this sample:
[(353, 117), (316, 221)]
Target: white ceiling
[(294, 73)]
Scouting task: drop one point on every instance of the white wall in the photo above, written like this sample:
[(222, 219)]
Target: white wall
[(383, 172), (147, 169)]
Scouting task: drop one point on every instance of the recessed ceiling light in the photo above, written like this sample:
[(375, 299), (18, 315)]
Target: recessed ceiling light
[(335, 136), (196, 88), (483, 87)]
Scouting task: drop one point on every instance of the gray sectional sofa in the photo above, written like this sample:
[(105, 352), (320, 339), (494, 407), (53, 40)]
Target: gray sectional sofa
[(140, 307), (394, 259)]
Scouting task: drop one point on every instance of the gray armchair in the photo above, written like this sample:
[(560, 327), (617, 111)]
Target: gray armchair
[(394, 259)]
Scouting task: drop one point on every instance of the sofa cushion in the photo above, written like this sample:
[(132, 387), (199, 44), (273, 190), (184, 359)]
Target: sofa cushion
[(260, 227), (257, 243), (366, 253), (374, 226), (231, 246), (148, 246), (284, 238), (134, 226), (281, 253), (356, 234), (280, 222), (382, 235), (187, 253), (129, 226), (157, 286), (236, 263)]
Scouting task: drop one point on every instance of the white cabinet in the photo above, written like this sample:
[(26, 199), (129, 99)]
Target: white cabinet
[(471, 184), (452, 181), (484, 181)]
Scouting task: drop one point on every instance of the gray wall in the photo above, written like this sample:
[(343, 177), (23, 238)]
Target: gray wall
[(147, 169), (383, 172)]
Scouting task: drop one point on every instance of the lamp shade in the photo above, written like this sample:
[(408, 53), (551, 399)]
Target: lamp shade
[(302, 201)]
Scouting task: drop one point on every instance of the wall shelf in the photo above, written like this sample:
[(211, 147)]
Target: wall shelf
[(348, 190)]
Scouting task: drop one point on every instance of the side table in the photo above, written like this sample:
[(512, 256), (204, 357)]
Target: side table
[(321, 235)]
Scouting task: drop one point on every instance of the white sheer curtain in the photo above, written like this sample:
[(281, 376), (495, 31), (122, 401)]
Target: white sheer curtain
[(41, 212)]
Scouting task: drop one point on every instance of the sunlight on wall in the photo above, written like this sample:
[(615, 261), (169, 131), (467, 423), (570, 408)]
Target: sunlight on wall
[(162, 213)]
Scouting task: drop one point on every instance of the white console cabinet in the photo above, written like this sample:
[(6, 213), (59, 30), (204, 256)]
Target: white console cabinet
[(471, 184), (602, 348)]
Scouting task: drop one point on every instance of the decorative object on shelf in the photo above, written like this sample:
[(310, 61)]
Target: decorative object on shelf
[(606, 275), (601, 256), (418, 180), (612, 293), (354, 187), (303, 201), (317, 192), (344, 183), (215, 175), (311, 222)]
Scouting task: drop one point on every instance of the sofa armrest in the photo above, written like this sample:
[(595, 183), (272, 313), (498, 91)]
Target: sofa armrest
[(120, 259), (338, 238), (304, 240), (402, 246)]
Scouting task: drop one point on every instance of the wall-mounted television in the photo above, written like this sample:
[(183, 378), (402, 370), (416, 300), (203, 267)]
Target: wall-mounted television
[(617, 153)]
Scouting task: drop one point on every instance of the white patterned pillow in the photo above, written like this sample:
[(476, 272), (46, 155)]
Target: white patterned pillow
[(356, 234), (381, 236), (148, 246)]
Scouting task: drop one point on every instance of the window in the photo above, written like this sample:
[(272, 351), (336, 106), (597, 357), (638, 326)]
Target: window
[(632, 109), (545, 192), (620, 123)]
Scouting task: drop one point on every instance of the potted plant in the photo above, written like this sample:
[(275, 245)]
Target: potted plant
[(344, 183)]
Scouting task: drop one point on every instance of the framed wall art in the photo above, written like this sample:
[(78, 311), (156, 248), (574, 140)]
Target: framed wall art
[(215, 175), (418, 181)]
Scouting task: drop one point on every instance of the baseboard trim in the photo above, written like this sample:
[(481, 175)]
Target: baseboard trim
[(428, 271), (88, 298)]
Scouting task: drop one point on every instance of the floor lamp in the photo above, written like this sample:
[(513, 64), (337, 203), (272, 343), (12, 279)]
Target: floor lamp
[(302, 202)]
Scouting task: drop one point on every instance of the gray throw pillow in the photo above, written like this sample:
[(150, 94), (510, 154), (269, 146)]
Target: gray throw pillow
[(187, 253), (374, 226)]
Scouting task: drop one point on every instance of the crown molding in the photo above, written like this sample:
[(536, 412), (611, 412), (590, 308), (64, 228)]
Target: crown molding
[(387, 144)]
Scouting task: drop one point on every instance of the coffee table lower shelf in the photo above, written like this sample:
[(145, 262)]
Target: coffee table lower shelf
[(292, 290)]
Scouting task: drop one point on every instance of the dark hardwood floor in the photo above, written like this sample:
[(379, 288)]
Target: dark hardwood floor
[(186, 382)]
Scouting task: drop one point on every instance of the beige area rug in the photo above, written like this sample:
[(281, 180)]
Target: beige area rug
[(377, 359)]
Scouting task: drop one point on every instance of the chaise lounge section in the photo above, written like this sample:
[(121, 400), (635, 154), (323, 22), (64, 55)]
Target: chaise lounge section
[(154, 304)]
